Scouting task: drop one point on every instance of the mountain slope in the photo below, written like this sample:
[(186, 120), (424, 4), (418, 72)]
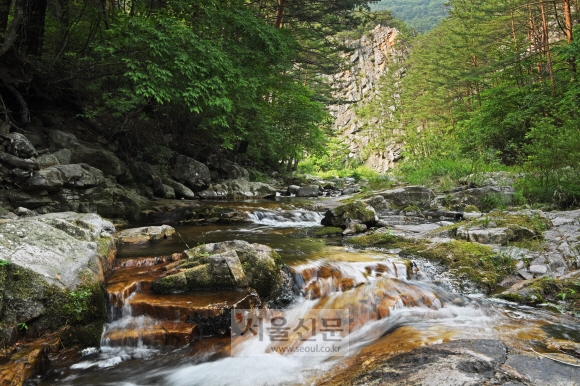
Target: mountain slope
[(423, 15)]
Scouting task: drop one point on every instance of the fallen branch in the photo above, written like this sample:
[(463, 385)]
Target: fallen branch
[(20, 163)]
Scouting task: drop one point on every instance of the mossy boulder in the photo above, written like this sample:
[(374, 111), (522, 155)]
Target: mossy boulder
[(228, 265), (52, 269), (354, 212), (565, 292)]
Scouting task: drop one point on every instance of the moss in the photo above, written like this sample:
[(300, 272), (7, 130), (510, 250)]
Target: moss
[(475, 262), (326, 232), (534, 222), (516, 298), (471, 209), (411, 209), (82, 336), (170, 284), (536, 245), (375, 240)]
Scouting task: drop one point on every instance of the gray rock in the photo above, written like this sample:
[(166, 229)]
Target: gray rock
[(103, 160), (181, 191), (147, 174), (293, 189), (64, 156), (379, 204), (80, 175), (49, 179), (356, 212), (543, 371), (228, 265), (458, 363), (193, 174), (238, 189), (497, 236), (538, 269), (20, 146), (59, 251), (418, 196), (525, 274), (168, 192), (6, 214), (308, 191), (23, 212), (59, 256), (227, 170), (145, 235), (47, 160)]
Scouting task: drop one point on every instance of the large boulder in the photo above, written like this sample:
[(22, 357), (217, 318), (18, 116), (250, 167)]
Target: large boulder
[(238, 189), (191, 173), (80, 175), (418, 196), (18, 145), (43, 261), (225, 169), (103, 160), (228, 265), (308, 191), (356, 212), (181, 191)]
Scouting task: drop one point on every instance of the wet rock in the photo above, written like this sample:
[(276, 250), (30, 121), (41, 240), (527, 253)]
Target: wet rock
[(356, 212), (145, 235), (27, 362), (193, 174), (542, 371), (227, 265), (308, 191), (458, 363), (418, 196), (181, 191), (238, 189)]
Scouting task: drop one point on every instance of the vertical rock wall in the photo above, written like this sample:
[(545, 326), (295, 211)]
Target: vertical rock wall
[(356, 86)]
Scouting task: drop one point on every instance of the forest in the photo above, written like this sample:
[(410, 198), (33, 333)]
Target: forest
[(422, 15), (210, 75)]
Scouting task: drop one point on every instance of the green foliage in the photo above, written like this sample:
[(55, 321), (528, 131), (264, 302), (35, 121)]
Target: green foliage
[(423, 15), (4, 263), (22, 326)]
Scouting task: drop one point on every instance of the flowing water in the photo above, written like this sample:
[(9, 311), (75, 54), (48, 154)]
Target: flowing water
[(394, 306)]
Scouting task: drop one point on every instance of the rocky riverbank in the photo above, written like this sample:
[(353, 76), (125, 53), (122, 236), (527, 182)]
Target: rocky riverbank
[(53, 267)]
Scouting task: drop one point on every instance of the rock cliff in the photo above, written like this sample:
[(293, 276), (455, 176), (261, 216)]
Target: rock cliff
[(374, 56)]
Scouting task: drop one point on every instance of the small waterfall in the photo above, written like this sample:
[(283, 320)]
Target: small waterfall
[(285, 218)]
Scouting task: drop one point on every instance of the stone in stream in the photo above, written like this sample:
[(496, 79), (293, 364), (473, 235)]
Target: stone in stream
[(45, 259), (308, 191), (354, 213), (145, 235), (230, 265)]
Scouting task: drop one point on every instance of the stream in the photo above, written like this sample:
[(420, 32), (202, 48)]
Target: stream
[(394, 307)]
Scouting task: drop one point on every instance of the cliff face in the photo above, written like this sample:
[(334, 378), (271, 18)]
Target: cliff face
[(372, 57)]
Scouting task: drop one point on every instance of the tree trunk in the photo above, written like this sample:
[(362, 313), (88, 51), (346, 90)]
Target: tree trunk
[(32, 29), (4, 13), (546, 45), (12, 32), (569, 35), (279, 21)]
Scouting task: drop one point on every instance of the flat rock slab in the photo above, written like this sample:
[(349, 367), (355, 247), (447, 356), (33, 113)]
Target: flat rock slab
[(457, 363), (145, 235), (59, 246)]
